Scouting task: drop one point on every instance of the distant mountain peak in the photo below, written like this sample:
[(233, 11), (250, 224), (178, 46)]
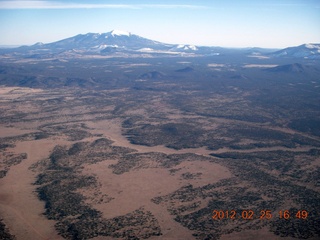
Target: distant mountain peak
[(120, 33), (311, 51)]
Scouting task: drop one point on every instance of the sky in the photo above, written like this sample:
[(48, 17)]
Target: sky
[(225, 23)]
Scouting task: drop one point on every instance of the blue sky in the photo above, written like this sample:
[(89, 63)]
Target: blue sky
[(227, 23)]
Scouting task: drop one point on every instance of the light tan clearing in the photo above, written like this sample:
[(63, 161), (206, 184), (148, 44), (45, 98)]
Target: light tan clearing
[(19, 206), (10, 93), (17, 90), (260, 65), (12, 131), (215, 65)]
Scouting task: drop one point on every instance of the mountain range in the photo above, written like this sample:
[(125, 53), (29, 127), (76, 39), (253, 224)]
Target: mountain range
[(311, 51), (120, 43)]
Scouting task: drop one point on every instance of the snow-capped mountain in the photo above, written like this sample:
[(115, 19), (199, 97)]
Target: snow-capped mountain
[(311, 51), (113, 39), (114, 42)]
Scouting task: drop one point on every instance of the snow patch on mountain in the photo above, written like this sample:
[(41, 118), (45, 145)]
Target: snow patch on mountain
[(192, 47), (146, 50), (187, 47), (104, 46), (39, 44), (312, 46), (120, 33), (96, 35)]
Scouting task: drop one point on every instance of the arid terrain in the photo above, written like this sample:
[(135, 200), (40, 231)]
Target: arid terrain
[(160, 148)]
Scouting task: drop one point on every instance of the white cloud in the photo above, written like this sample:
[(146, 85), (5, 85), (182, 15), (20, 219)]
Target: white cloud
[(56, 5), (172, 6), (68, 5)]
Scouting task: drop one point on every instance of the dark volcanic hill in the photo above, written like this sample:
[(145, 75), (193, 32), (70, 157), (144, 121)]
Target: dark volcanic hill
[(288, 68), (152, 75), (186, 69), (292, 68)]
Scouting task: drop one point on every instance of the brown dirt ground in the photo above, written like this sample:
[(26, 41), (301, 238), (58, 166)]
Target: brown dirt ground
[(19, 206), (23, 212)]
